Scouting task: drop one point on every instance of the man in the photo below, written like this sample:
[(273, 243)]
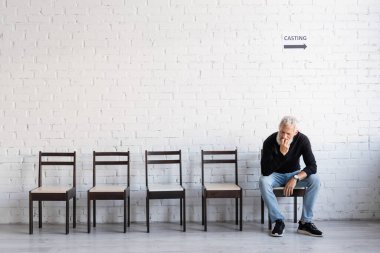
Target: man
[(280, 167)]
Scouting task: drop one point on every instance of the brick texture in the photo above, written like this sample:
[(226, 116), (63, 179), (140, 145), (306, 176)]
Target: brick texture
[(116, 75)]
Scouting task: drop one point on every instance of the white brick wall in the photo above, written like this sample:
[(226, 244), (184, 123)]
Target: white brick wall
[(172, 74)]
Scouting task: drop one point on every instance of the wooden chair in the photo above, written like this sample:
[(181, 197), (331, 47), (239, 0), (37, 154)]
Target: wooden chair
[(165, 191), (53, 193), (109, 192), (221, 190), (279, 192)]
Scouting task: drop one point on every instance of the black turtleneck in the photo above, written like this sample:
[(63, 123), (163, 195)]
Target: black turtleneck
[(273, 161)]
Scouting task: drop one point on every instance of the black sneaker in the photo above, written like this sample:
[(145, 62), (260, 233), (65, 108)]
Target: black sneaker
[(308, 228), (278, 228)]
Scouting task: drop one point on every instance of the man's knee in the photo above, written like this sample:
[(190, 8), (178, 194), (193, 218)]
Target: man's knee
[(314, 181), (265, 182)]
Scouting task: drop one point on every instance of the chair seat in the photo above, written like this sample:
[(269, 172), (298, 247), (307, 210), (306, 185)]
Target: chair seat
[(282, 188), (165, 187), (51, 189), (108, 188), (222, 187)]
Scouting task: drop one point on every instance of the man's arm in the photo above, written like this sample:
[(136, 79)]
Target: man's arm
[(271, 159), (289, 187), (311, 168), (309, 159)]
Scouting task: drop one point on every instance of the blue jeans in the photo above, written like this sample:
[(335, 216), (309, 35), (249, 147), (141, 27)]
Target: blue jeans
[(267, 183)]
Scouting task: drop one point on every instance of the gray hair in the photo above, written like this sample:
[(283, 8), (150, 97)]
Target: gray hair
[(289, 120)]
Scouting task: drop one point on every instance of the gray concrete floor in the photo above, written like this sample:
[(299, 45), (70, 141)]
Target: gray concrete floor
[(339, 236)]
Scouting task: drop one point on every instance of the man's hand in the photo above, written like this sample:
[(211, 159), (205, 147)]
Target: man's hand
[(289, 187), (284, 147)]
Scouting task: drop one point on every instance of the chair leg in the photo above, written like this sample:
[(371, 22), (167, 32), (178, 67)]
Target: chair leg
[(40, 214), (295, 209), (67, 215), (129, 211), (269, 223), (180, 211), (74, 212), (236, 212), (205, 214), (30, 214), (241, 212), (262, 210), (184, 214), (125, 213), (88, 214), (94, 212), (147, 214), (203, 217)]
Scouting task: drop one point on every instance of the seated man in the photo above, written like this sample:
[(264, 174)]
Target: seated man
[(280, 167)]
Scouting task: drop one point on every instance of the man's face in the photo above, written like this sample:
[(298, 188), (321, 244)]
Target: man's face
[(287, 132)]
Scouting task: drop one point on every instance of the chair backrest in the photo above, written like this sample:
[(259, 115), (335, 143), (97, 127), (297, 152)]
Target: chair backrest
[(261, 157), (114, 161), (149, 159), (52, 162), (210, 157)]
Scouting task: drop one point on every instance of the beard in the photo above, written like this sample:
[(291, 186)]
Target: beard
[(279, 140)]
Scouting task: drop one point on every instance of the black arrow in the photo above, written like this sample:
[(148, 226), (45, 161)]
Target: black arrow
[(295, 46)]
